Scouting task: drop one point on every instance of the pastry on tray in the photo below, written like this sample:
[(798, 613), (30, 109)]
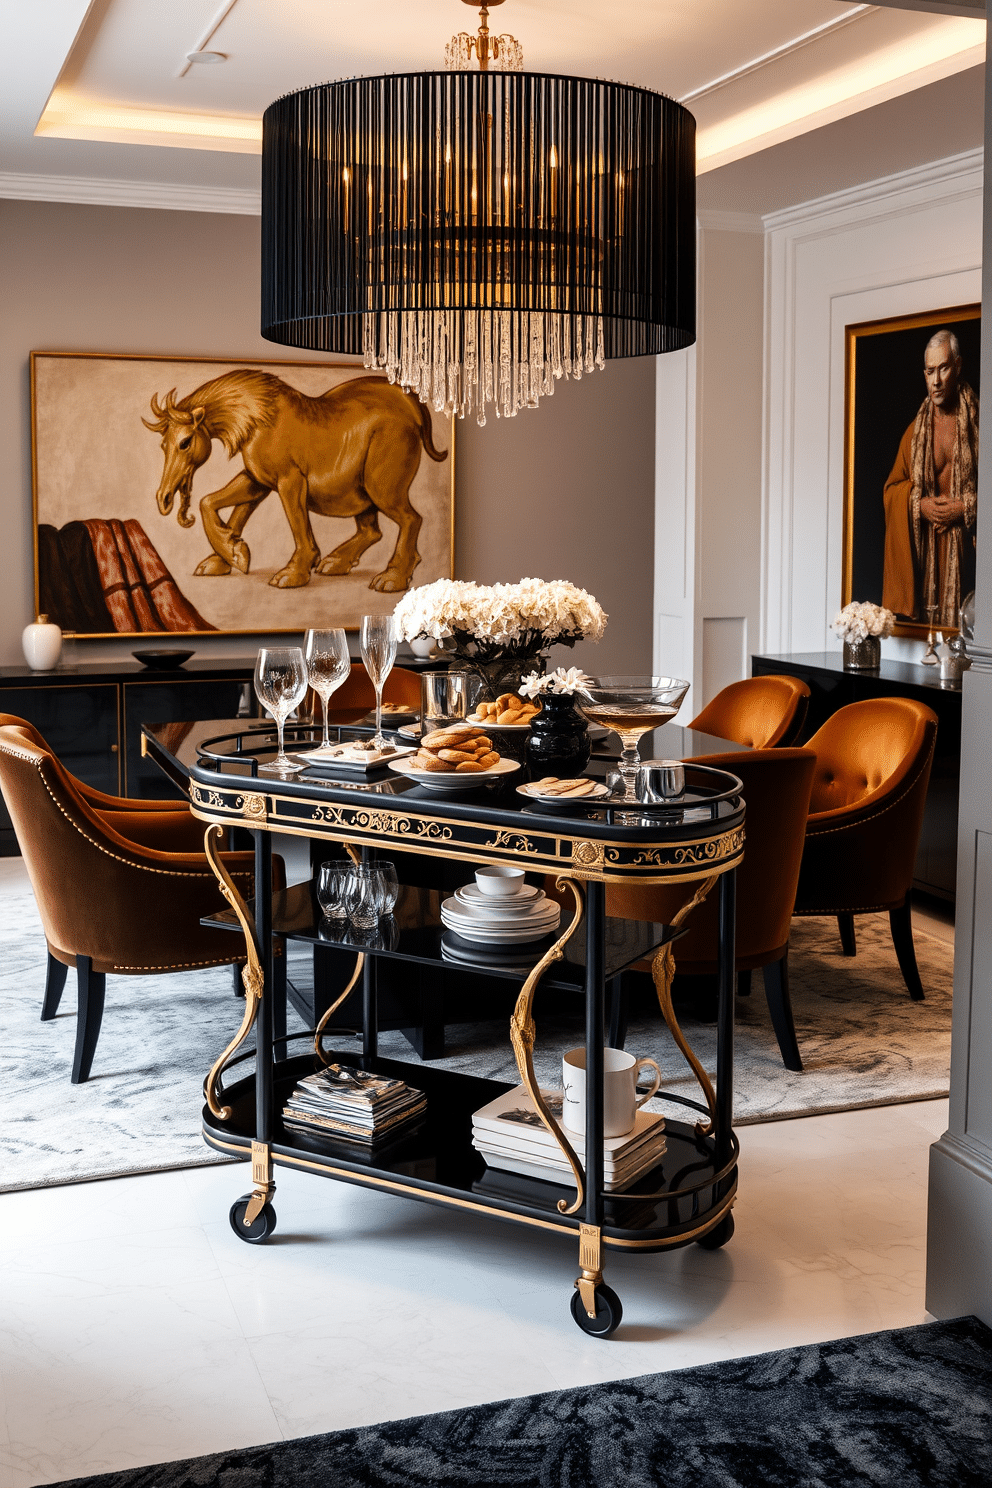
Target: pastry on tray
[(508, 711)]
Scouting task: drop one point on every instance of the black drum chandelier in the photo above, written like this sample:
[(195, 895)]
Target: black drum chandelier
[(479, 233)]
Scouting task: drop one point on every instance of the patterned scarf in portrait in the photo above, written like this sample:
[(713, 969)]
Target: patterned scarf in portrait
[(937, 555)]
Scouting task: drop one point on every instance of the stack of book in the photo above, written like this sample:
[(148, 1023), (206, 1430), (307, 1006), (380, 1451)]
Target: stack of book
[(354, 1106), (511, 1135)]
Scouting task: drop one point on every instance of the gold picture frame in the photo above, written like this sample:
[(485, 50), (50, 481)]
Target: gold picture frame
[(885, 390), (347, 493)]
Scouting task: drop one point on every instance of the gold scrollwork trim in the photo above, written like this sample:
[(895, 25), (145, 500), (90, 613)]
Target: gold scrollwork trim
[(251, 974), (252, 805), (515, 842), (523, 1032)]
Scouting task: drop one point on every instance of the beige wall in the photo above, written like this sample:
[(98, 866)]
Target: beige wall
[(566, 491), (728, 444)]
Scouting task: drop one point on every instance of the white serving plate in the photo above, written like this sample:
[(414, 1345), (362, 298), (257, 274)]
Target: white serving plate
[(453, 781), (562, 805), (526, 915), (485, 935), (472, 892), (511, 913), (458, 915)]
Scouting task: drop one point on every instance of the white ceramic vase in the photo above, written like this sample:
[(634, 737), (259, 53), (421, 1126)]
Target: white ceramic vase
[(422, 646), (42, 644)]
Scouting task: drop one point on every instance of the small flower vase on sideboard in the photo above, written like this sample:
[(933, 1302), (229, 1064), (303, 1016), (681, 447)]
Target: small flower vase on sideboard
[(558, 742), (863, 656), (42, 644)]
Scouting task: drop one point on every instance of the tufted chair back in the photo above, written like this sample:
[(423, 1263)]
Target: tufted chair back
[(872, 770), (776, 793), (759, 711)]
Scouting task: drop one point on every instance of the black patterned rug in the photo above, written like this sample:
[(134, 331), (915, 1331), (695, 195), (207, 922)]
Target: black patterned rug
[(910, 1408)]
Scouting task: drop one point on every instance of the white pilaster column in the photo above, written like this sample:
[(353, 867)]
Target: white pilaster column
[(959, 1247)]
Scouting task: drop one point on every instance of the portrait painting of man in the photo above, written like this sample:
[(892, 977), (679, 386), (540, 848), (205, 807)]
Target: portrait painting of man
[(912, 465)]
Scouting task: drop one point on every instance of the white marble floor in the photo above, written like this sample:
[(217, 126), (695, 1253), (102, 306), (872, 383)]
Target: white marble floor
[(137, 1328)]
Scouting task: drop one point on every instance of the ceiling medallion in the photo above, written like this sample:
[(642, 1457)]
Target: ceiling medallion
[(479, 232)]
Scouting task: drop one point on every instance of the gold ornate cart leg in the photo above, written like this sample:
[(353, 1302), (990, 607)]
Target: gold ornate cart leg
[(523, 1033), (318, 1032), (251, 973), (663, 972)]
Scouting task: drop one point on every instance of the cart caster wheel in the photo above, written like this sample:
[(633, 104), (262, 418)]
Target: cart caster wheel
[(719, 1235), (261, 1227), (609, 1311)]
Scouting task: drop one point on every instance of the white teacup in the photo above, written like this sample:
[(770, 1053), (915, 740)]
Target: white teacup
[(620, 1099)]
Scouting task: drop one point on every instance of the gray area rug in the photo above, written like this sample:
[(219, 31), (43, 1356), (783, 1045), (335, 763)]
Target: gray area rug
[(908, 1408), (864, 1043)]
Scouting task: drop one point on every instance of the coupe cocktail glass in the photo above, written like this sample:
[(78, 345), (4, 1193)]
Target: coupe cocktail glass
[(631, 707)]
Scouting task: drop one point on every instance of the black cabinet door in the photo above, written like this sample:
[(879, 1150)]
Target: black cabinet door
[(167, 702), (80, 724)]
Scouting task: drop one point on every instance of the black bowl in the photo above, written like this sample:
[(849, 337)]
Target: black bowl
[(162, 660)]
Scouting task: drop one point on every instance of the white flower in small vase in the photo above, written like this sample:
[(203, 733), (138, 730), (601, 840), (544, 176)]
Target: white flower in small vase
[(861, 625)]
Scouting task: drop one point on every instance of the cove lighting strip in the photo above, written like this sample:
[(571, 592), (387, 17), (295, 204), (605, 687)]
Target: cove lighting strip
[(949, 46)]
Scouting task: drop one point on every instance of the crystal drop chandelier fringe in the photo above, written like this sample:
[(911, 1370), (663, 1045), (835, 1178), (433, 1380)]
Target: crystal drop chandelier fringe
[(479, 235)]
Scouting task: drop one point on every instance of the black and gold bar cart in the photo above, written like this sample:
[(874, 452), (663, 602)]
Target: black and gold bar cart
[(686, 1199)]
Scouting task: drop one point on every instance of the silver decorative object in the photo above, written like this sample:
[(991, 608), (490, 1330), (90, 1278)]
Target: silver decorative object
[(863, 656), (660, 781)]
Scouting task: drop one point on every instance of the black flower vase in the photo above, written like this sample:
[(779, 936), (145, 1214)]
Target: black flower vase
[(558, 742)]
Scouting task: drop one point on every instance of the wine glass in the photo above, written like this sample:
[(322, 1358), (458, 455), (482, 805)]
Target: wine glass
[(280, 685), (631, 707), (378, 654), (328, 664)]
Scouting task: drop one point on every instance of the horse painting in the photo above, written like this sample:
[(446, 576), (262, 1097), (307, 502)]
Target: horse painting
[(352, 452)]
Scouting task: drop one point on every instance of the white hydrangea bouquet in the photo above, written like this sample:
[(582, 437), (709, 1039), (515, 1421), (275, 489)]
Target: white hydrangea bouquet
[(859, 620), (496, 630)]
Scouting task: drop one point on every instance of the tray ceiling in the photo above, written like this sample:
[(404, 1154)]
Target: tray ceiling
[(103, 88)]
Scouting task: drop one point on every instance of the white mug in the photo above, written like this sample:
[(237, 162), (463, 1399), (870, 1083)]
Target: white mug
[(620, 1099)]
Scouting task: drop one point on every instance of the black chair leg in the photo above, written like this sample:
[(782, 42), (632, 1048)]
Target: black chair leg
[(619, 1009), (849, 944), (743, 984), (776, 978), (901, 925), (55, 975), (92, 988)]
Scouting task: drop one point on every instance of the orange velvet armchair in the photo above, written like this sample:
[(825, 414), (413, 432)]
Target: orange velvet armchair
[(866, 811), (108, 903), (763, 712), (777, 786)]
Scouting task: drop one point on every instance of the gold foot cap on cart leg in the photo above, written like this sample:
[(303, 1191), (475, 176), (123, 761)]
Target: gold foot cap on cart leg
[(591, 1261), (261, 1172)]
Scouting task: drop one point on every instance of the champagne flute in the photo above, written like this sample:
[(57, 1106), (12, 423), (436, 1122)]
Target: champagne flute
[(328, 664), (280, 686), (378, 654)]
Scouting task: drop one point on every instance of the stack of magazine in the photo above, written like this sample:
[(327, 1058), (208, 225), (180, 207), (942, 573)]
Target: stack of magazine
[(354, 1106), (511, 1135)]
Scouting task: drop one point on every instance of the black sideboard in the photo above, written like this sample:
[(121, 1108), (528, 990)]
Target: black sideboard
[(91, 714), (832, 688)]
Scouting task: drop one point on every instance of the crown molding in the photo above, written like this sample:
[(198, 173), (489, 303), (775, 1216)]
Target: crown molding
[(956, 172), (713, 220), (98, 192)]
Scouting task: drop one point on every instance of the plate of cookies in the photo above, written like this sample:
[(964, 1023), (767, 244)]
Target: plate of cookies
[(555, 794), (509, 711), (457, 758)]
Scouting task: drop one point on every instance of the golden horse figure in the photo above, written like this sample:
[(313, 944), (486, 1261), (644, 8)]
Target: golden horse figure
[(352, 452)]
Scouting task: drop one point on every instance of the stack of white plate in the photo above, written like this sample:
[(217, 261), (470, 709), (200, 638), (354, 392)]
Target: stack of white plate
[(500, 920)]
